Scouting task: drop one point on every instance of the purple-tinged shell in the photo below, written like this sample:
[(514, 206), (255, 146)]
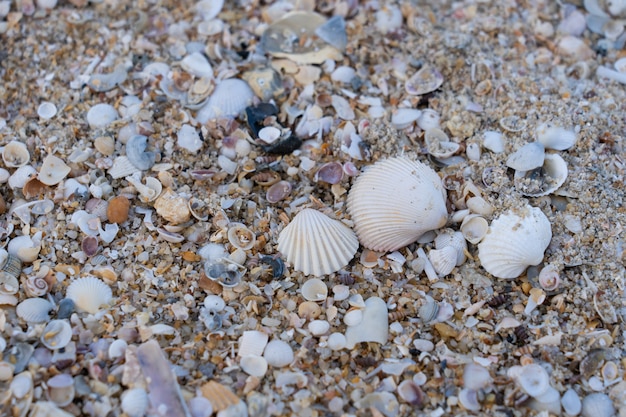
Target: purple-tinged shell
[(332, 173), (89, 245), (278, 191)]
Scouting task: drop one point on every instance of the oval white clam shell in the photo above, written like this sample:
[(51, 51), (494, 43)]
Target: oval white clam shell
[(254, 365), (314, 289), (396, 201), (278, 353), (61, 389), (515, 240), (474, 228), (101, 115), (404, 117), (89, 293), (319, 327), (15, 154), (229, 98), (571, 402), (316, 244), (34, 310)]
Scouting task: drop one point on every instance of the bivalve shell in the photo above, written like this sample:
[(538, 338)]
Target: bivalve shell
[(555, 137), (34, 310), (597, 405), (252, 342), (254, 365), (61, 389), (314, 289), (544, 180), (15, 154), (456, 240), (89, 294), (278, 353), (373, 328), (529, 156), (53, 170), (57, 334), (316, 244), (229, 98), (532, 379), (474, 228), (135, 402), (515, 241), (443, 260), (240, 236), (396, 201)]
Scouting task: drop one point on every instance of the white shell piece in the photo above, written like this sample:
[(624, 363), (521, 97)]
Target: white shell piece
[(515, 240), (468, 398), (336, 341), (479, 205), (229, 98), (21, 385), (316, 244), (4, 175), (314, 289), (555, 137), (571, 403), (117, 349), (553, 175), (196, 64), (597, 405), (443, 260), (494, 141), (122, 167), (341, 292), (532, 378), (404, 117), (135, 402), (472, 150), (61, 389), (438, 144), (25, 248), (529, 156), (57, 334), (343, 74), (394, 202), (53, 170), (188, 138), (409, 391), (200, 407), (101, 115), (46, 110), (353, 317), (254, 365), (269, 134), (240, 236), (34, 310), (373, 328), (476, 377), (214, 302), (319, 327), (342, 107), (89, 293), (208, 9), (429, 119), (474, 228), (21, 175), (252, 342), (15, 154), (278, 353)]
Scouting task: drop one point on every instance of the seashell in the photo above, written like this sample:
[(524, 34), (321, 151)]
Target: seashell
[(424, 81), (15, 154), (548, 401), (278, 354), (137, 154), (345, 74), (117, 209), (89, 294), (331, 173), (188, 138), (172, 207), (494, 141), (410, 392), (597, 405), (11, 264), (474, 228), (200, 407), (319, 327), (403, 117), (34, 310), (571, 402), (333, 32), (610, 372), (555, 137), (105, 145), (265, 82), (57, 334), (135, 402), (529, 156), (341, 292), (429, 119), (46, 110), (336, 341), (468, 398), (61, 389), (229, 99), (254, 365), (314, 289), (197, 64), (117, 349), (282, 39), (373, 328), (122, 167), (549, 278), (53, 170), (278, 191), (429, 310), (383, 402), (396, 201), (438, 144), (342, 107), (219, 395), (478, 205), (356, 300), (542, 181), (443, 260), (149, 191), (214, 303), (224, 271), (20, 176), (476, 377), (89, 245), (33, 188), (252, 342), (66, 308), (47, 409), (353, 317), (532, 379), (101, 115), (316, 244), (33, 287), (240, 236), (515, 241), (26, 248), (472, 150)]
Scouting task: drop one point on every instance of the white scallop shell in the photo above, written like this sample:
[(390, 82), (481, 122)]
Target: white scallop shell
[(278, 353), (254, 365), (89, 293), (53, 170), (396, 201), (314, 289), (252, 342), (552, 175), (443, 260), (15, 154), (57, 334), (316, 244), (122, 167), (34, 310), (229, 98), (515, 240), (449, 237), (135, 402)]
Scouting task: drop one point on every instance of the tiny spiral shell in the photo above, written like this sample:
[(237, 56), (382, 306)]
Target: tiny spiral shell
[(36, 286)]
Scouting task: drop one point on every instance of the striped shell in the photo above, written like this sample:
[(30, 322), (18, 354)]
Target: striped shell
[(515, 240), (34, 310), (89, 294), (396, 201), (316, 244), (229, 98)]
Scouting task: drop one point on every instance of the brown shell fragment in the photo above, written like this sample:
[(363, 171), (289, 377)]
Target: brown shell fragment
[(172, 207), (220, 396), (118, 208)]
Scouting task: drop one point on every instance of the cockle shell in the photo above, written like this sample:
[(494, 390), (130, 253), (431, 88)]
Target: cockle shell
[(15, 154), (34, 310), (449, 237), (89, 293), (443, 260), (254, 365), (252, 342), (396, 201), (229, 98), (53, 170), (474, 228), (122, 167), (515, 240), (316, 244), (278, 353), (135, 402)]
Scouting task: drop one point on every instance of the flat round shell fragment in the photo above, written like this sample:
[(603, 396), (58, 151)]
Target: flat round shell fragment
[(424, 81), (529, 156)]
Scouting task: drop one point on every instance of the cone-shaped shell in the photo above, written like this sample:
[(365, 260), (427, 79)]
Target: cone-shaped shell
[(396, 201), (316, 244), (89, 294), (515, 240)]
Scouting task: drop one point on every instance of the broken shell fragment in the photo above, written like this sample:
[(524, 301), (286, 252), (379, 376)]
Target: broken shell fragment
[(555, 137), (252, 342), (374, 327), (137, 154), (529, 156), (15, 154), (316, 244), (515, 240), (543, 180), (89, 294), (61, 389), (53, 170), (240, 236), (172, 207), (149, 191), (532, 378), (394, 202)]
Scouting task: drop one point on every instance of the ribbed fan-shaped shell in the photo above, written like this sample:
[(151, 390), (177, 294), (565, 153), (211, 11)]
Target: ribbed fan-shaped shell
[(34, 310), (396, 201), (316, 244), (515, 240), (89, 293), (229, 98)]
